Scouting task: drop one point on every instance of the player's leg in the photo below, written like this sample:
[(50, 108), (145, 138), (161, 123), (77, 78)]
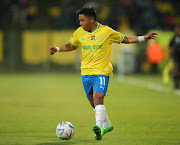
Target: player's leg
[(100, 89), (106, 122), (102, 119), (103, 124), (88, 82), (100, 110), (98, 98), (91, 101)]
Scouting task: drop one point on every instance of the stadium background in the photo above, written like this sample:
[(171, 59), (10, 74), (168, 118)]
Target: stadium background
[(29, 27)]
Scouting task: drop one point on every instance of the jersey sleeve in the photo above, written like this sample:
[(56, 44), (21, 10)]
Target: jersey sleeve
[(116, 37), (74, 39)]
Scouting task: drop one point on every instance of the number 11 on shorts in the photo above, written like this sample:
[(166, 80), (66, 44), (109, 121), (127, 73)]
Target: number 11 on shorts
[(102, 81)]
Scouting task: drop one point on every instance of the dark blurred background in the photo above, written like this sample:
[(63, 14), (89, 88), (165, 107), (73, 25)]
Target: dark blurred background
[(139, 15), (27, 22)]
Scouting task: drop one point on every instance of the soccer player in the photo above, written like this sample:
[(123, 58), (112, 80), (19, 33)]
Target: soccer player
[(175, 54), (96, 68)]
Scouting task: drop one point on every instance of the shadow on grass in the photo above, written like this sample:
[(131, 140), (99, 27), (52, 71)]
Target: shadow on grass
[(66, 142)]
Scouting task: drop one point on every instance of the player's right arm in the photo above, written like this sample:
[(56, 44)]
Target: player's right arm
[(66, 47), (135, 39)]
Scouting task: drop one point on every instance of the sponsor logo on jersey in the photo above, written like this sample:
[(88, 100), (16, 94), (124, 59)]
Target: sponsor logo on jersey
[(93, 37)]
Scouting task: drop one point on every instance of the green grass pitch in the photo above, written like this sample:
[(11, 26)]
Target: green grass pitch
[(32, 105)]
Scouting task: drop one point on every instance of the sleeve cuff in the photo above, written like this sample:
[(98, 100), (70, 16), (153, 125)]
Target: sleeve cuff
[(73, 44), (122, 39)]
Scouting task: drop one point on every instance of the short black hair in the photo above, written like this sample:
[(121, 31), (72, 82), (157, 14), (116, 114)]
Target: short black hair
[(88, 11)]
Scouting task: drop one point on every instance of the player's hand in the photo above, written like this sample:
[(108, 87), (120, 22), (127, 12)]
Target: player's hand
[(151, 35), (52, 50)]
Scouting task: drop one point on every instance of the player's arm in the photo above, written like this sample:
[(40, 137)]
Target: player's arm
[(136, 39), (66, 47)]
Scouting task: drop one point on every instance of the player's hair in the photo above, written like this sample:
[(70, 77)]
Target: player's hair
[(88, 11)]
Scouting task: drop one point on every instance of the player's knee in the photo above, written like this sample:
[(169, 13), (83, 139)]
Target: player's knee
[(98, 98), (98, 95)]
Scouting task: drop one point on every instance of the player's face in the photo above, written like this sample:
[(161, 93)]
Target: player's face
[(86, 22)]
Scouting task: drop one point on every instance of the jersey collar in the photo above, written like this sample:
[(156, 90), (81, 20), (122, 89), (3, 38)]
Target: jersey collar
[(98, 24)]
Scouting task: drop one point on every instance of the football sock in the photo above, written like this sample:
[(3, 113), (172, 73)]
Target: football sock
[(100, 114), (106, 122)]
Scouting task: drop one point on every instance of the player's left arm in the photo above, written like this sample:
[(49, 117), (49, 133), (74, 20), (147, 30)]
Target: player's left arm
[(136, 39)]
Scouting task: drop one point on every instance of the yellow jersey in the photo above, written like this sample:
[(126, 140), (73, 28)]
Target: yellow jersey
[(96, 49)]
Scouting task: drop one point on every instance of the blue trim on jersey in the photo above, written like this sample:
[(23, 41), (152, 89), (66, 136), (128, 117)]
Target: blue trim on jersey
[(95, 83), (72, 44), (121, 39), (96, 28)]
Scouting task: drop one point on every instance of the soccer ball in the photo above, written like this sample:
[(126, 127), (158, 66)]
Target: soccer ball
[(65, 130)]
